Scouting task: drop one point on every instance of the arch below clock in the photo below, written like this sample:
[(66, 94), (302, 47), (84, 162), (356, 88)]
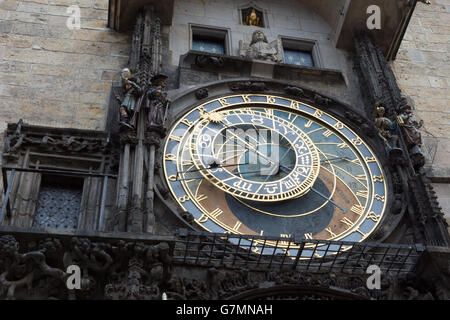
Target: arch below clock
[(183, 100), (297, 292)]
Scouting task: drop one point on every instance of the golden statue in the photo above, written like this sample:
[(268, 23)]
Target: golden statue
[(252, 19), (385, 127)]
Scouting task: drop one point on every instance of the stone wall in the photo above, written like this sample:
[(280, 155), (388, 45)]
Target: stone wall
[(51, 75), (284, 18), (422, 69)]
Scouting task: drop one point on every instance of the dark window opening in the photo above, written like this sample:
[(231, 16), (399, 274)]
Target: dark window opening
[(300, 52), (59, 202), (298, 57), (208, 44)]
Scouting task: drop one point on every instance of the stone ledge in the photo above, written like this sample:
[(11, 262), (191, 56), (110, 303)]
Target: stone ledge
[(438, 175), (29, 234), (224, 64)]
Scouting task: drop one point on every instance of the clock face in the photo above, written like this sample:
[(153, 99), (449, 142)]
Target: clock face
[(267, 165)]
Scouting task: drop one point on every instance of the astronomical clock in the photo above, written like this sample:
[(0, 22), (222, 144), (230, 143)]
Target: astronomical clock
[(266, 165)]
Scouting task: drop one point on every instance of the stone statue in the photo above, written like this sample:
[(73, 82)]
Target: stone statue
[(411, 134), (260, 49), (252, 19), (157, 102), (131, 91)]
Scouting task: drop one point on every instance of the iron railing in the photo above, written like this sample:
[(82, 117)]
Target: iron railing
[(217, 249)]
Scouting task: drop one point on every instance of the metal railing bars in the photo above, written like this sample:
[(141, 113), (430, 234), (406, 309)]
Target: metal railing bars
[(305, 254)]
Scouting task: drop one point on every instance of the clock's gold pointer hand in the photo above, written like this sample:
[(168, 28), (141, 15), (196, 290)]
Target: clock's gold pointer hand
[(248, 145), (277, 167), (332, 159), (328, 199), (210, 167), (320, 194)]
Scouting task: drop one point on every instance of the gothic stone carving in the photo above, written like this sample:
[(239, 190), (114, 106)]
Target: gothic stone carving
[(248, 86), (260, 48), (294, 91), (52, 142), (157, 103), (201, 93), (124, 270)]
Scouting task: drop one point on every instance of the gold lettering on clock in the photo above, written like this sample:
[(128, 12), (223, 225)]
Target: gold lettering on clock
[(175, 138), (246, 99), (318, 113), (347, 222), (332, 234), (215, 213), (223, 102), (170, 157), (357, 209), (339, 125), (270, 99), (187, 122), (308, 124), (373, 216), (201, 197), (377, 179), (203, 218), (237, 225), (327, 133)]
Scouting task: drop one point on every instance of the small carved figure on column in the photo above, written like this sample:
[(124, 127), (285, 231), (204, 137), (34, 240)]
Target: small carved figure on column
[(411, 134), (157, 102), (131, 92)]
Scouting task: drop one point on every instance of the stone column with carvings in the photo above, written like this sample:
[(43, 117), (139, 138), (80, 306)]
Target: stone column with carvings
[(138, 145)]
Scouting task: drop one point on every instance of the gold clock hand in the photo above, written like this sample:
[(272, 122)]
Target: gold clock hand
[(322, 195), (328, 199), (278, 165), (210, 167), (252, 148), (333, 159)]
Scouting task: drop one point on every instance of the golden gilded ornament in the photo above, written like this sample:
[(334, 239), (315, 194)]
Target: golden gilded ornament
[(214, 117), (252, 19)]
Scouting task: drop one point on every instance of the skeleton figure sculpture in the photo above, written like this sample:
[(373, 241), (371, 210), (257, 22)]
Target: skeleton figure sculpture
[(411, 134), (410, 129)]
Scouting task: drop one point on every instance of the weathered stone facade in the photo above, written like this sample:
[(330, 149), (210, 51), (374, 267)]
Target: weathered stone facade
[(129, 233), (422, 70), (51, 75)]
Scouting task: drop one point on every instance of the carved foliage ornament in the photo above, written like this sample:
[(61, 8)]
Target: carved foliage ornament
[(123, 270), (53, 143)]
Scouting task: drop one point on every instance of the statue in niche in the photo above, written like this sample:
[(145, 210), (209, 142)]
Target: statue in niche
[(131, 92), (260, 49), (410, 130), (386, 127), (157, 102), (252, 19)]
